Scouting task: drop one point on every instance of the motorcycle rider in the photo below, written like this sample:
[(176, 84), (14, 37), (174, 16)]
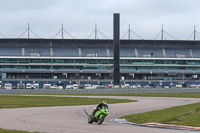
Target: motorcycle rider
[(100, 106)]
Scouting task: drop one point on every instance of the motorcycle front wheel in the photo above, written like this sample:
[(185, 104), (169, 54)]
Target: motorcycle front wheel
[(100, 120)]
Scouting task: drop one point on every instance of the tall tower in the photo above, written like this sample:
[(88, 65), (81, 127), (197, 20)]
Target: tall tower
[(116, 47)]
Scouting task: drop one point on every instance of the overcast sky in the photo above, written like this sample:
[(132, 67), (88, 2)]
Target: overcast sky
[(79, 17)]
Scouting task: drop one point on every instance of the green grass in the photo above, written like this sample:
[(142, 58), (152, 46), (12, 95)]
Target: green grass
[(8, 101), (187, 115), (13, 131)]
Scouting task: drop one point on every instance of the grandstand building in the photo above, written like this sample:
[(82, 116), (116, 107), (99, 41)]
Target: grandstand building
[(84, 60)]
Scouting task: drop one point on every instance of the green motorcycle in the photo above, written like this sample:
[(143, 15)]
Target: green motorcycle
[(99, 116)]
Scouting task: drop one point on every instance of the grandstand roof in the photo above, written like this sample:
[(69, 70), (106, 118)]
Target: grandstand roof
[(97, 43)]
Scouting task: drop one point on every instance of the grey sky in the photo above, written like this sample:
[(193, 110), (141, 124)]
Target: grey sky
[(80, 16)]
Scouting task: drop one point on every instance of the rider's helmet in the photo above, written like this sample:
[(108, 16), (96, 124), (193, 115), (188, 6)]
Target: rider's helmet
[(104, 103)]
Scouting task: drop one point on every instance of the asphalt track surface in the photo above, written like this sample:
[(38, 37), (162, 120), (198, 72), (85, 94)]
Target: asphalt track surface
[(72, 119)]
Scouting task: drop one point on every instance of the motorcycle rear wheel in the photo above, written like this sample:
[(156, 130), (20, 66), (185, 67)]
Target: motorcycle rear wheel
[(90, 121)]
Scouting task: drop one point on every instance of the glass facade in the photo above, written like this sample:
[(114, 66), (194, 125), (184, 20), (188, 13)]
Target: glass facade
[(96, 63)]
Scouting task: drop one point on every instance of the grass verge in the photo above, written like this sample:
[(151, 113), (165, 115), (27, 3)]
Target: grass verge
[(187, 115), (13, 131), (8, 101)]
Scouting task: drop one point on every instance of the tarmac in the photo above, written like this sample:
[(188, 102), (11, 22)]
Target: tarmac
[(72, 119)]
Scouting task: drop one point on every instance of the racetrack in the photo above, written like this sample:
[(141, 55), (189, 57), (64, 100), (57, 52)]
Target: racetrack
[(72, 119)]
